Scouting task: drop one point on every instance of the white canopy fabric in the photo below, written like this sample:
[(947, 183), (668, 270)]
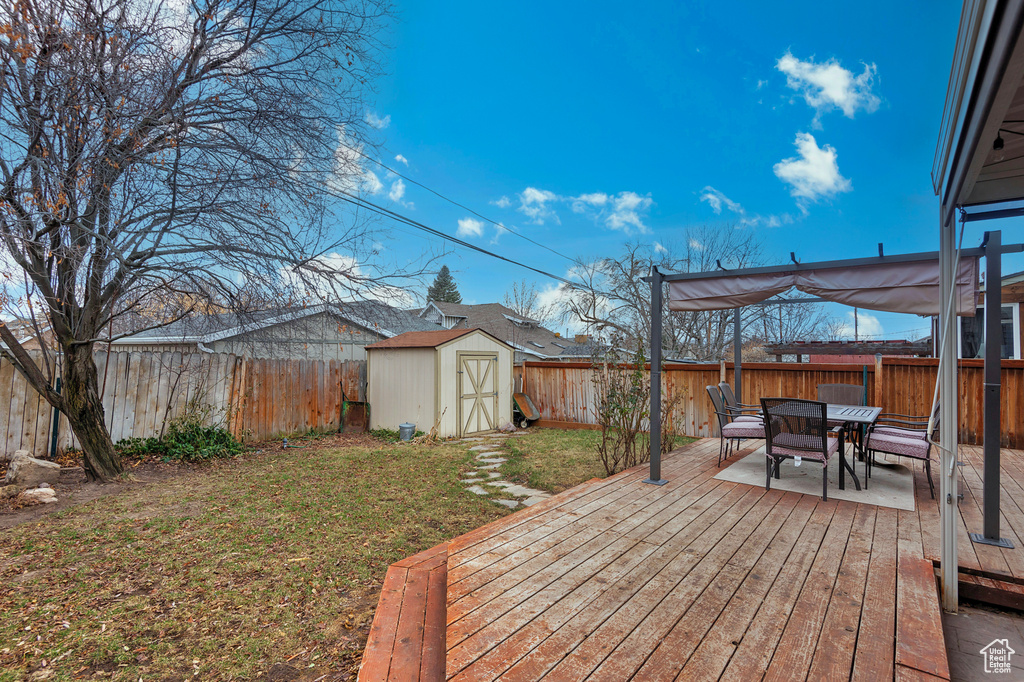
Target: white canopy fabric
[(907, 287)]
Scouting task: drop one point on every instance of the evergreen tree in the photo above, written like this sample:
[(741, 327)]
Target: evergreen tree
[(444, 289)]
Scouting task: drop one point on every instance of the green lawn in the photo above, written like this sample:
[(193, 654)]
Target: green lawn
[(221, 572)]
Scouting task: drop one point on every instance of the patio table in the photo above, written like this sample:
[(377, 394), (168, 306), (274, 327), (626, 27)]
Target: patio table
[(861, 416)]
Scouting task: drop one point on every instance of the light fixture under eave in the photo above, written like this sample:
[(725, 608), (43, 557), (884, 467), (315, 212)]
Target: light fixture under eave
[(998, 144)]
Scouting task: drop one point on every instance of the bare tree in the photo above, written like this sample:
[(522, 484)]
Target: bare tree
[(524, 299), (612, 298), (183, 152)]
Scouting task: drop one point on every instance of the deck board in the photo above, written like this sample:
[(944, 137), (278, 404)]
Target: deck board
[(700, 578)]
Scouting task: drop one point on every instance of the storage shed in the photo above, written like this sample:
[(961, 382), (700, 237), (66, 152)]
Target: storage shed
[(459, 379)]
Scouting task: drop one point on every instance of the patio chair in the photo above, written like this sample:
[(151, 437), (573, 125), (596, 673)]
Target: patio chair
[(730, 430), (904, 436), (842, 394), (798, 428), (736, 408)]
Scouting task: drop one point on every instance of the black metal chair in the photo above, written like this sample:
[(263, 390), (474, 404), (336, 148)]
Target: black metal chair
[(904, 436), (731, 431), (739, 411), (798, 428), (841, 394)]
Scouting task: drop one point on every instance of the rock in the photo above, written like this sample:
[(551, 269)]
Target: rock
[(10, 491), (38, 496), (477, 490), (511, 504), (30, 472), (45, 485)]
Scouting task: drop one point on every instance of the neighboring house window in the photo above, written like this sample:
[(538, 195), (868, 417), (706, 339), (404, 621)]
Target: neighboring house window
[(972, 333)]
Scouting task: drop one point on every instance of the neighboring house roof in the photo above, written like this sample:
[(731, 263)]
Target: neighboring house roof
[(522, 333), (431, 339), (371, 315)]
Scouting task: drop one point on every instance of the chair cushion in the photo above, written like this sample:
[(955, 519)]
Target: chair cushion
[(747, 418), (901, 432), (895, 445), (780, 443), (743, 430)]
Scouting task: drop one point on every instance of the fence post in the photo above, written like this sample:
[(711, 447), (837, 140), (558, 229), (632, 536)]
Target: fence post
[(878, 380)]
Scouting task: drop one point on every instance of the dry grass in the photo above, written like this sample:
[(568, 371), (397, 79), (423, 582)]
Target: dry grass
[(556, 460), (225, 571)]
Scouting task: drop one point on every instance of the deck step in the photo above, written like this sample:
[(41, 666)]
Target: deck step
[(991, 591), (920, 645), (407, 638)]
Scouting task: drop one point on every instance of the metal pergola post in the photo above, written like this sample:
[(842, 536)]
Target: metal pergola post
[(993, 367), (656, 280), (948, 492), (737, 354)]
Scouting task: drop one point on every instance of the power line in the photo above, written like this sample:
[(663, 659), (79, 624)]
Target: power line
[(369, 205), (462, 206)]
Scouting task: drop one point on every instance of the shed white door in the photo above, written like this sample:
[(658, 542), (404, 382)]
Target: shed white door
[(478, 392)]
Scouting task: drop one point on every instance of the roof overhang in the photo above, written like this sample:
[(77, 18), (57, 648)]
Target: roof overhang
[(983, 97), (255, 326)]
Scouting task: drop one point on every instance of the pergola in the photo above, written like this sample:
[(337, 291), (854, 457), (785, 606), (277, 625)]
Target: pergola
[(976, 167)]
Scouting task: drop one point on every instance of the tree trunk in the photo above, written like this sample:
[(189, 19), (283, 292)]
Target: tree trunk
[(85, 414)]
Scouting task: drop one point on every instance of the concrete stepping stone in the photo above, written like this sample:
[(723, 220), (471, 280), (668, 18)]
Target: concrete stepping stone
[(530, 501), (477, 490), (492, 460), (511, 504), (481, 447), (491, 474), (473, 480), (491, 466)]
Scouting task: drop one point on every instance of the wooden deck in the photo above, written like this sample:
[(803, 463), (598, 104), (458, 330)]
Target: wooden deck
[(698, 579)]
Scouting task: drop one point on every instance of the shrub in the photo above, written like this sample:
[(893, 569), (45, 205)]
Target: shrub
[(186, 440)]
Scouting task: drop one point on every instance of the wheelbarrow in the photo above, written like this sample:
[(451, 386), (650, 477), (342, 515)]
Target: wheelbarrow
[(523, 410)]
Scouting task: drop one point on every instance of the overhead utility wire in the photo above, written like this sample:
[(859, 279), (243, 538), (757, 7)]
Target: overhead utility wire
[(369, 205), (462, 206)]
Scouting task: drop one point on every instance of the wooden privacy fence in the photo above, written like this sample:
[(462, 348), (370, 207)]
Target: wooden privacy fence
[(255, 399), (565, 393)]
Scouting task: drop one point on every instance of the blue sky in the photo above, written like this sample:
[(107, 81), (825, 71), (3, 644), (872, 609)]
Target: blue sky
[(812, 125)]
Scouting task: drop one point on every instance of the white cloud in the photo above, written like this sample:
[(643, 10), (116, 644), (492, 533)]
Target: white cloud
[(761, 84), (814, 174), (371, 183), (696, 245), (376, 121), (397, 190), (349, 173), (868, 326), (468, 227), (717, 199), (626, 211), (534, 204), (828, 85), (503, 202), (658, 248), (401, 159), (594, 199)]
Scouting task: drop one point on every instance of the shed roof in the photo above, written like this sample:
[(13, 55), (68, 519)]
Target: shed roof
[(430, 339)]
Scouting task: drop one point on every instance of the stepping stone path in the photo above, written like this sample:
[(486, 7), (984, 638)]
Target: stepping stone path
[(488, 457)]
